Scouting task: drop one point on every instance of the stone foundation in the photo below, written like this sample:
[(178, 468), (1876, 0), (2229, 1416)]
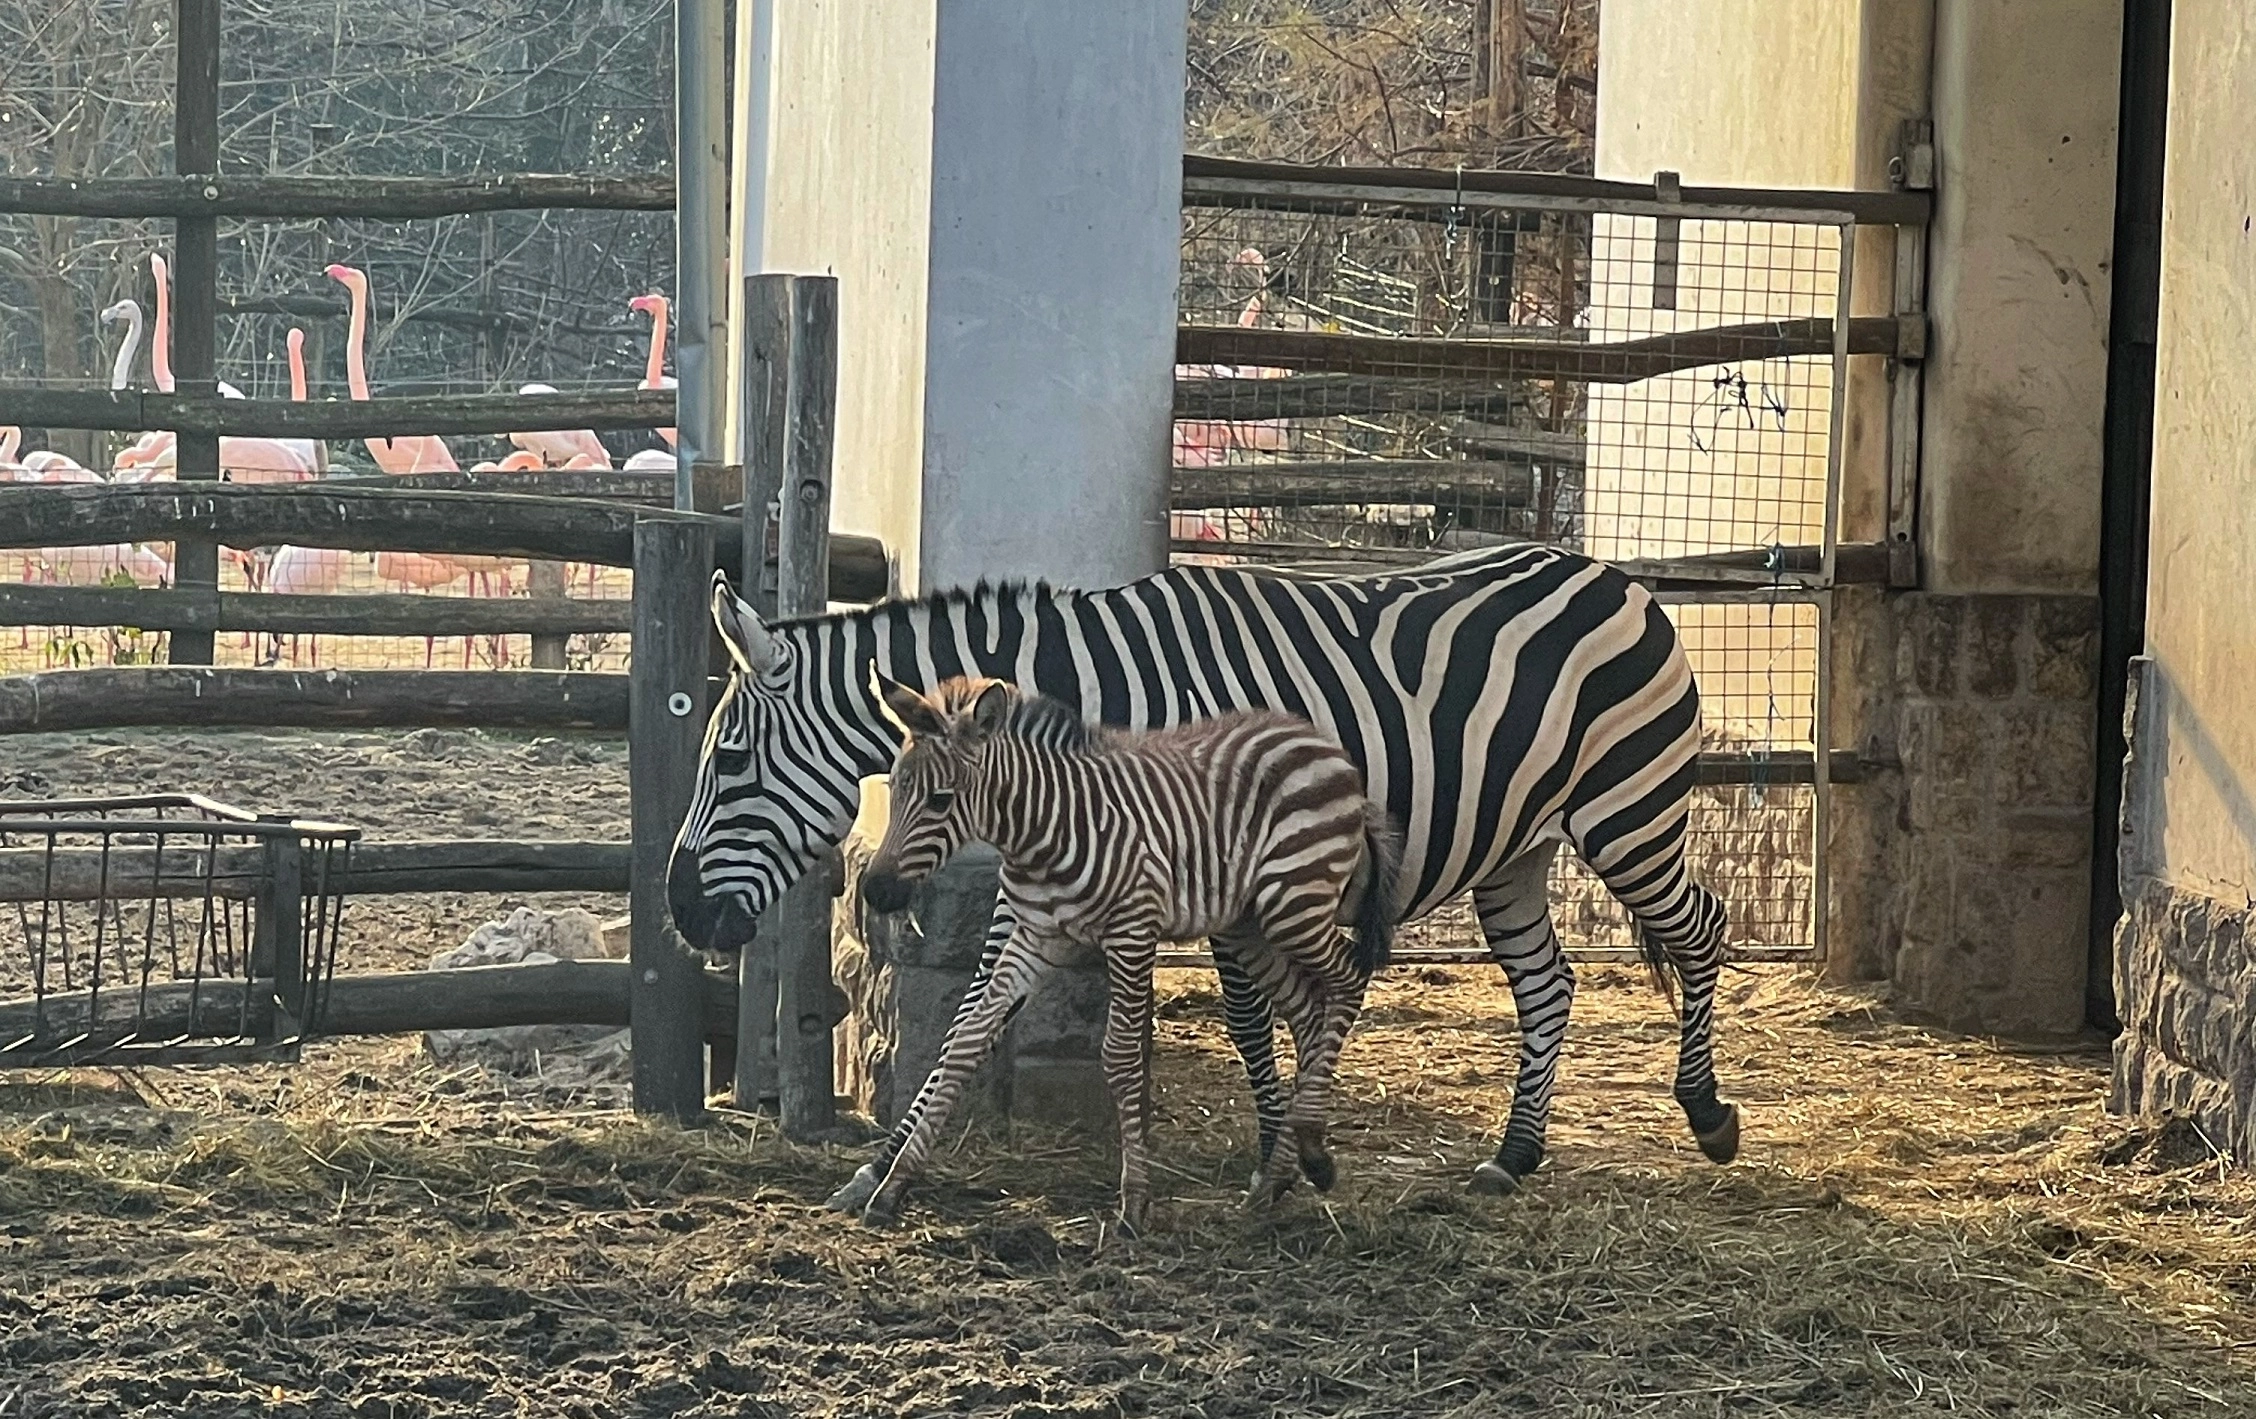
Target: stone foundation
[(904, 975), (1994, 719), (2185, 984)]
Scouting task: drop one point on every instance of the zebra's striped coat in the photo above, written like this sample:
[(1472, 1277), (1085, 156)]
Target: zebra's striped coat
[(1249, 827), (1498, 702)]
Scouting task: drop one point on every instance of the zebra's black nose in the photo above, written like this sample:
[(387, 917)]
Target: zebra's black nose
[(886, 891), (706, 922)]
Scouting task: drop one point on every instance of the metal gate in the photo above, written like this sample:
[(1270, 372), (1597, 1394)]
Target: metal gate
[(1376, 367)]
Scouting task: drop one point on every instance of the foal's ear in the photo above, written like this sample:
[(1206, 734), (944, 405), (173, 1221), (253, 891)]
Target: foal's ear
[(992, 709), (905, 707)]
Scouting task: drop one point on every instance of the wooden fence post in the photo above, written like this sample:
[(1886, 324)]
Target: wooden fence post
[(195, 146), (767, 367), (808, 1004), (666, 728), (548, 581)]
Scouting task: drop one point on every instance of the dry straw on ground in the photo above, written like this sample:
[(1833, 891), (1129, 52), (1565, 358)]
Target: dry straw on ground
[(1920, 1224)]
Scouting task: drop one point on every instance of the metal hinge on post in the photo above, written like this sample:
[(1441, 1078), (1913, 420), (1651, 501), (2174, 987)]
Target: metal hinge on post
[(1912, 169)]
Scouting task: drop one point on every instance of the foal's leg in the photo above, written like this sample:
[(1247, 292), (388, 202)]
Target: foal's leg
[(973, 1034), (1252, 1027), (1128, 1011)]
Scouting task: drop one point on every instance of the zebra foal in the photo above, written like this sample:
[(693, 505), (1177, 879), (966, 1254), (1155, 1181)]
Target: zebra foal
[(1249, 828)]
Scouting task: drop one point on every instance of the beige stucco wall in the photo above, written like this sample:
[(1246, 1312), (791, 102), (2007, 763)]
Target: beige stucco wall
[(2201, 611), (850, 193), (2025, 98)]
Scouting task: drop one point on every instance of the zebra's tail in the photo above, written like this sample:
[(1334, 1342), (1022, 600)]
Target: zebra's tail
[(1374, 914), (1658, 965)]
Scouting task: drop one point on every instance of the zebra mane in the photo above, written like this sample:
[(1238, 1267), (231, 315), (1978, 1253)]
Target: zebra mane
[(947, 598), (1053, 724)]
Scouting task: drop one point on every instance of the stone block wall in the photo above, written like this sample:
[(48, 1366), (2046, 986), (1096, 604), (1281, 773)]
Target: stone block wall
[(2185, 981), (904, 975), (1994, 717)]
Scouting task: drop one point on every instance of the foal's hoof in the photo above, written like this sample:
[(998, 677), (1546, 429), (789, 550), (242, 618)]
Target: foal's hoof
[(1321, 1170), (1263, 1191), (882, 1213), (1490, 1180), (854, 1197), (1721, 1143)]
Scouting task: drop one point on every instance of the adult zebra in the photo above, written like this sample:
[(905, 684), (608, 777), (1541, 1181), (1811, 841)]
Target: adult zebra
[(1499, 702)]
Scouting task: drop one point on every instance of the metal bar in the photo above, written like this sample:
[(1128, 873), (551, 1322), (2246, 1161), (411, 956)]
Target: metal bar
[(1821, 734), (701, 237), (1905, 378), (199, 194), (132, 410), (1204, 174), (807, 1003), (666, 728), (1844, 285), (748, 195), (195, 147)]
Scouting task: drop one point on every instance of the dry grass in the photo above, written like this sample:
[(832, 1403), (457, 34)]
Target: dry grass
[(1919, 1225)]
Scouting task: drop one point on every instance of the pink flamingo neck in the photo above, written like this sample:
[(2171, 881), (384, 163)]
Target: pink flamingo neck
[(655, 369), (296, 342), (160, 341), (356, 333)]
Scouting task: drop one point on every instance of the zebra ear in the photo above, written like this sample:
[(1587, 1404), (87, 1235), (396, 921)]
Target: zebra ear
[(749, 643), (905, 707), (992, 708)]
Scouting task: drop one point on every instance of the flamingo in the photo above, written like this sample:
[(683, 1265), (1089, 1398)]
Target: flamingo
[(241, 460), (654, 374), (410, 453), (1209, 443), (295, 341), (305, 571), (421, 572), (565, 448), (144, 450)]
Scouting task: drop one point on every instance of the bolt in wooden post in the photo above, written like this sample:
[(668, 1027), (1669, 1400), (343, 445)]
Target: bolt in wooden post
[(767, 367), (666, 729), (806, 1005), (195, 306)]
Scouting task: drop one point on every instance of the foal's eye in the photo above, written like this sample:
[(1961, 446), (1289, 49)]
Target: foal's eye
[(943, 799)]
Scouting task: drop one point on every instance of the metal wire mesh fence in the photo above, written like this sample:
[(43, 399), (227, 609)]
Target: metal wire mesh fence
[(1371, 375)]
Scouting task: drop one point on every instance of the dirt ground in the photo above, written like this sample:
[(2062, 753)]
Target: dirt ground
[(1919, 1223)]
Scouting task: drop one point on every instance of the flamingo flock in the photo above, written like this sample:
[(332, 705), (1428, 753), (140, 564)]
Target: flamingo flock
[(1200, 443), (290, 570)]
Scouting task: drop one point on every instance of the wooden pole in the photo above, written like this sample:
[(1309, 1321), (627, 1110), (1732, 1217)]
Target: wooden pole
[(195, 147), (762, 409), (546, 581), (666, 726), (807, 1000)]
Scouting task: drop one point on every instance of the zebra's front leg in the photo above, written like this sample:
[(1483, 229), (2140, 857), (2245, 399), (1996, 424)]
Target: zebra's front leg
[(1515, 916), (1252, 1028), (970, 1038), (1128, 1009), (854, 1197)]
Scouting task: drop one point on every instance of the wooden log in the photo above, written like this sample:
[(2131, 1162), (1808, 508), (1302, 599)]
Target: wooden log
[(1616, 362), (133, 410), (195, 290), (642, 487), (594, 992), (808, 1003), (157, 610), (379, 198), (1321, 396), (193, 696), (185, 869), (1441, 482), (1214, 181), (673, 568), (371, 519), (767, 399)]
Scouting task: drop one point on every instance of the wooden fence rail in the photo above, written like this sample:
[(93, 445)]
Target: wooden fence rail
[(196, 696), (288, 615), (380, 519), (184, 869), (285, 197), (137, 410)]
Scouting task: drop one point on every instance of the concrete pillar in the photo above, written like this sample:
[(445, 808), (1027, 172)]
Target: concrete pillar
[(998, 188), (1995, 654)]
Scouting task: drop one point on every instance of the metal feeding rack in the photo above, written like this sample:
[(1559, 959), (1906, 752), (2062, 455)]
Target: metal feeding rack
[(164, 929)]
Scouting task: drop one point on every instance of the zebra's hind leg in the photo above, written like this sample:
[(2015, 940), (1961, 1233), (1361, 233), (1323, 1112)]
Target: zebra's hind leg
[(1514, 907), (1323, 970), (854, 1197), (1681, 926), (1128, 968), (1252, 1029)]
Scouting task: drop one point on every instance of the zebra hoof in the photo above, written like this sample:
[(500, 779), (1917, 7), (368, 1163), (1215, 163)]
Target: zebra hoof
[(882, 1213), (1263, 1191), (1489, 1180), (1321, 1170), (854, 1197), (1721, 1143)]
